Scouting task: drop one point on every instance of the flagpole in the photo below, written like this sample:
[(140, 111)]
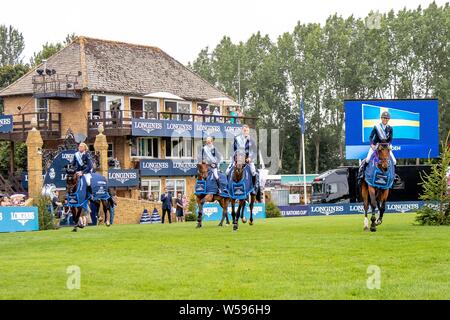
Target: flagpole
[(304, 170)]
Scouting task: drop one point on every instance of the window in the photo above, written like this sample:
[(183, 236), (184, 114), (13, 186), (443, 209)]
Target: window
[(150, 189), (2, 107), (144, 108), (333, 188), (178, 107), (42, 109), (106, 106), (98, 106), (179, 147), (175, 186), (145, 147)]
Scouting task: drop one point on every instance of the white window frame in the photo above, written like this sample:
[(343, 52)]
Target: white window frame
[(174, 195), (36, 106), (177, 111), (109, 143), (109, 98), (146, 157), (158, 108), (184, 140), (144, 179)]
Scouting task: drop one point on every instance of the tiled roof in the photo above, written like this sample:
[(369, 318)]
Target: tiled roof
[(122, 68)]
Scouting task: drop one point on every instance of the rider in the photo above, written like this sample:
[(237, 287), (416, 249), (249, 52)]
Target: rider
[(381, 133), (213, 157), (83, 164), (244, 143)]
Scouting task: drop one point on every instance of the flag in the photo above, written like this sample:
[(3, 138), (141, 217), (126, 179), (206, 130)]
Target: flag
[(301, 117), (405, 124)]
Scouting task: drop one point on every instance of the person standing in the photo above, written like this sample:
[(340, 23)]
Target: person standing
[(180, 208), (166, 199)]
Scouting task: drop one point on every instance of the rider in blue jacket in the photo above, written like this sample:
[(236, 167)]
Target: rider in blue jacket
[(210, 155), (83, 164)]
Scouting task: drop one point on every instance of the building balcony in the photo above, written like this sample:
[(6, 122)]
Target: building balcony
[(119, 123), (56, 86), (48, 123)]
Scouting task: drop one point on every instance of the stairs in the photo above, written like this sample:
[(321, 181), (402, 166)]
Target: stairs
[(10, 185)]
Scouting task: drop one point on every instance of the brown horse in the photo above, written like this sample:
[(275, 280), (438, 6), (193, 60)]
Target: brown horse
[(202, 198), (377, 197), (238, 173), (71, 187)]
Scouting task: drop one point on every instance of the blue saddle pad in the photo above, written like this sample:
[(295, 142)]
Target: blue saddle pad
[(79, 198), (99, 187), (209, 186), (378, 179), (239, 190)]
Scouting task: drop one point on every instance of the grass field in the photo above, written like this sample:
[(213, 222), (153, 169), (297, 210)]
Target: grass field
[(286, 258)]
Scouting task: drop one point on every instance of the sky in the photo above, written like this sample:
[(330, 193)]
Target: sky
[(180, 28)]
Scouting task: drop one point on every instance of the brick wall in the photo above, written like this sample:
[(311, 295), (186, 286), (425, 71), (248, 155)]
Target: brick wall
[(129, 211)]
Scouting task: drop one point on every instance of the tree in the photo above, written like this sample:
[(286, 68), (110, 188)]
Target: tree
[(11, 46), (436, 189), (10, 73), (49, 49)]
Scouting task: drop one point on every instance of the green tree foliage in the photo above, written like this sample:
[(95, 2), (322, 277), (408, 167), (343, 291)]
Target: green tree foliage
[(10, 73), (436, 190), (402, 54), (11, 46), (49, 49)]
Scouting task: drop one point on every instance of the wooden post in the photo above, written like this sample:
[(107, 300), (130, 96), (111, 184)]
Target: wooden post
[(101, 145), (34, 157), (11, 159)]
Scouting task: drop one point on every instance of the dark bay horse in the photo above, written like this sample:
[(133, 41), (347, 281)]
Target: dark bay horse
[(76, 209), (203, 198), (376, 196), (237, 176)]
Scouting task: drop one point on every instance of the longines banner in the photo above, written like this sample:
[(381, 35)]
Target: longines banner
[(19, 219), (171, 128), (123, 178), (168, 167), (213, 211), (6, 124), (348, 208), (55, 173)]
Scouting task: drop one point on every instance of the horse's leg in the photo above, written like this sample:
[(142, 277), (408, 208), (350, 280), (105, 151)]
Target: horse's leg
[(75, 218), (365, 197), (242, 214), (200, 202), (225, 203), (105, 206), (373, 205), (221, 202), (252, 202), (97, 211), (382, 206), (240, 207), (233, 212)]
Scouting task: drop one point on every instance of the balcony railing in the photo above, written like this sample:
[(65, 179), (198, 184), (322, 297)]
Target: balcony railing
[(48, 123), (56, 86), (119, 122)]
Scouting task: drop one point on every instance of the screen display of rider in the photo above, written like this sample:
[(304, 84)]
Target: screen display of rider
[(212, 156), (243, 143), (381, 133), (83, 164)]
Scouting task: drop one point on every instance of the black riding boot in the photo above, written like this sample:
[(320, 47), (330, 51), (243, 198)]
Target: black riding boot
[(254, 181), (219, 187), (362, 168)]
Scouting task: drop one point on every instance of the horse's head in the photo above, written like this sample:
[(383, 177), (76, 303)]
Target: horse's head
[(383, 153), (239, 165), (202, 169), (71, 178)]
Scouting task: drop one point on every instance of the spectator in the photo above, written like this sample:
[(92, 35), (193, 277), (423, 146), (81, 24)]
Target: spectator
[(185, 203), (207, 113), (239, 114), (180, 208), (166, 199), (233, 114), (199, 118), (217, 113)]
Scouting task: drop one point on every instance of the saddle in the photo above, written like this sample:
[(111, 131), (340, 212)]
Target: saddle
[(209, 186), (378, 179)]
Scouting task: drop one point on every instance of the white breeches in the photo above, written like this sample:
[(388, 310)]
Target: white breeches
[(215, 172), (88, 178), (370, 153)]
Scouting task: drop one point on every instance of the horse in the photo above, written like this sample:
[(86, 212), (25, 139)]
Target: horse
[(202, 175), (238, 176), (106, 207), (78, 199), (376, 196)]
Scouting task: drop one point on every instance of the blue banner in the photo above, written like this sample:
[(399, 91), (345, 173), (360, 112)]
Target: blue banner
[(348, 208), (24, 179), (123, 178), (6, 124), (414, 124), (213, 211), (294, 211), (55, 173), (185, 167), (172, 128), (14, 219)]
